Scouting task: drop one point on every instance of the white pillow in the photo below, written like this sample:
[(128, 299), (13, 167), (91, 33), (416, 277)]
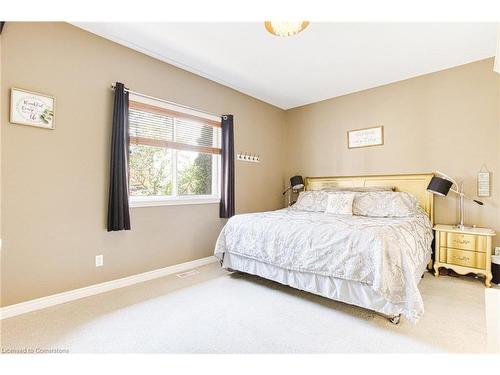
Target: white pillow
[(385, 204), (340, 203), (311, 201)]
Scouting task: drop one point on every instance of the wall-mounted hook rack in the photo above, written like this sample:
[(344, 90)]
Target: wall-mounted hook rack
[(244, 156)]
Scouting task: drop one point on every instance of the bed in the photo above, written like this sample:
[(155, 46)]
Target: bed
[(372, 262)]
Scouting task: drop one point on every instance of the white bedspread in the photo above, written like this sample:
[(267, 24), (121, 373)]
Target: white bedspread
[(385, 253)]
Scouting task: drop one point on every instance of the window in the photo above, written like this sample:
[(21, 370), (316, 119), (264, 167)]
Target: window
[(174, 154)]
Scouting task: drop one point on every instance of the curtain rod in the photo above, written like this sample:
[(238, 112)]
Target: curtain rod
[(169, 102)]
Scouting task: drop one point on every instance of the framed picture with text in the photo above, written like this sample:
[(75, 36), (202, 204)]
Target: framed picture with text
[(366, 137), (32, 108)]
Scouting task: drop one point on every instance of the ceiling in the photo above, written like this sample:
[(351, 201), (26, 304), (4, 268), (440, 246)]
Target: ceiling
[(324, 61)]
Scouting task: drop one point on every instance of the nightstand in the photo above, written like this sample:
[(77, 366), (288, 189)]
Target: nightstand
[(464, 251)]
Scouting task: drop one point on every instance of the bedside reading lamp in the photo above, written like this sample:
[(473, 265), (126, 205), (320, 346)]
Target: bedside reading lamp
[(296, 183), (442, 185)]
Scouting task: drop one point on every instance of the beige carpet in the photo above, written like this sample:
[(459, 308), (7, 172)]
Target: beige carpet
[(216, 312)]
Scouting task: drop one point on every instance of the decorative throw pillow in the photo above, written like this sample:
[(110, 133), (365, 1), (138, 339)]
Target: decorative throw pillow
[(311, 201), (340, 203), (385, 204)]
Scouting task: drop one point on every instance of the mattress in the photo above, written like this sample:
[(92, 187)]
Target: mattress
[(384, 255)]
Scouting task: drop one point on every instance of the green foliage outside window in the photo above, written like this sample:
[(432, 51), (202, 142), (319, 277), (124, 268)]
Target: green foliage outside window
[(150, 170), (197, 178)]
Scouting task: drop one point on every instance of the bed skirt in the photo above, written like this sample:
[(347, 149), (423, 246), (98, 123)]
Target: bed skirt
[(350, 292)]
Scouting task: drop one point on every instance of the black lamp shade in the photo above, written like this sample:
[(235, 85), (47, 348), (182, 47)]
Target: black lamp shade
[(296, 182), (439, 186)]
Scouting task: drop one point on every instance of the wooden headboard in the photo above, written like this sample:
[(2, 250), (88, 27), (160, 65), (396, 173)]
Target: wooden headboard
[(415, 184)]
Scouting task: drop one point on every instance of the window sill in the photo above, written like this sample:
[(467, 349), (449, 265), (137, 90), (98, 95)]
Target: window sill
[(154, 202)]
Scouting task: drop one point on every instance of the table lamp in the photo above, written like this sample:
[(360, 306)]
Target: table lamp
[(442, 186), (296, 183)]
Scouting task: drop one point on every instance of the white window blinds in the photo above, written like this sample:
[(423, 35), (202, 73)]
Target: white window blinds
[(156, 126)]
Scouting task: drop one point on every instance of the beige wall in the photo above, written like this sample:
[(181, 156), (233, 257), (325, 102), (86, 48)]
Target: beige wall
[(1, 108), (447, 121), (54, 184)]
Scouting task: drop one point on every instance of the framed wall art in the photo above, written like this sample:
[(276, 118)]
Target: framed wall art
[(483, 182), (32, 108), (366, 137)]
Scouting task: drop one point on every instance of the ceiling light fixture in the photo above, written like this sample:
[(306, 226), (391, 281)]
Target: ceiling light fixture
[(285, 28)]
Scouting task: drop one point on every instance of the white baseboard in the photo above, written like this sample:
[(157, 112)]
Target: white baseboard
[(56, 299)]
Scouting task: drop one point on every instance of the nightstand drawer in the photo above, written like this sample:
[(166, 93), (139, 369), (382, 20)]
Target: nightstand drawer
[(442, 255), (464, 258), (463, 241)]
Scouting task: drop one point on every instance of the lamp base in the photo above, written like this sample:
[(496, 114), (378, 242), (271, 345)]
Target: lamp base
[(462, 227)]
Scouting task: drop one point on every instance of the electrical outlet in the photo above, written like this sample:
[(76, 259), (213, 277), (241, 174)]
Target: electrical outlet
[(99, 260)]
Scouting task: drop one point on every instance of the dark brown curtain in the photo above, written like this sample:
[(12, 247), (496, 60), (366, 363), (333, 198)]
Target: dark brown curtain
[(118, 210), (227, 159)]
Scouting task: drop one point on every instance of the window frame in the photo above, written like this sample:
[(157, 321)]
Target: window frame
[(174, 199)]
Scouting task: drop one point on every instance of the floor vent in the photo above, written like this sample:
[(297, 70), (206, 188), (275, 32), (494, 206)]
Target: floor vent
[(187, 274)]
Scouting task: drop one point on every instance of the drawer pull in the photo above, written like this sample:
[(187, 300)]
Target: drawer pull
[(461, 258), (462, 242)]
